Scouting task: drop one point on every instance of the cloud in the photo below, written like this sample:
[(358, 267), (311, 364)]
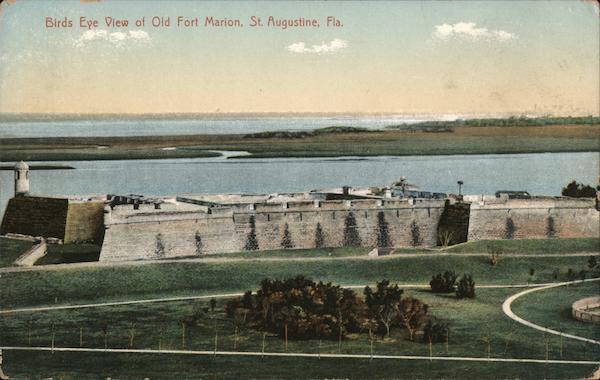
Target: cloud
[(470, 31), (116, 38), (325, 48)]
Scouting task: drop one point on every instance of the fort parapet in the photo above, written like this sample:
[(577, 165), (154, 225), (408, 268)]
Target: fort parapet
[(182, 228), (137, 228)]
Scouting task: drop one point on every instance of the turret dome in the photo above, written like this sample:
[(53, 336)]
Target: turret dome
[(21, 165)]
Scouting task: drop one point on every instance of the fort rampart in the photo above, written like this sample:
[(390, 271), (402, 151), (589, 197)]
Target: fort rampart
[(539, 217), (175, 231), (180, 227)]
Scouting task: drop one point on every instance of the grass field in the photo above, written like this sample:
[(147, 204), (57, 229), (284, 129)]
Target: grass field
[(552, 308), (11, 249), (197, 278), (136, 367), (529, 246), (472, 322), (158, 326), (460, 140)]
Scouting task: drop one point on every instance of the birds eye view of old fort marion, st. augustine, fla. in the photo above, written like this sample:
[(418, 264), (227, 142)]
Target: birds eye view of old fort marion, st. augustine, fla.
[(299, 189)]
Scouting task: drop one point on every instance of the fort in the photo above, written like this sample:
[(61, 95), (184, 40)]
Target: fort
[(136, 227)]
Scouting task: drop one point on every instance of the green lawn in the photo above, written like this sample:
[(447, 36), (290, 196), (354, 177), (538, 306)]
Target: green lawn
[(552, 308), (471, 322), (11, 249), (88, 366), (529, 246), (196, 278)]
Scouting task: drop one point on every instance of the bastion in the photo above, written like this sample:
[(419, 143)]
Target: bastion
[(136, 227)]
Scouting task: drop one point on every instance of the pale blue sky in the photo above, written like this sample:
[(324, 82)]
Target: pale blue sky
[(462, 57)]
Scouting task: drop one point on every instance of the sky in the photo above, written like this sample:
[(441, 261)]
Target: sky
[(400, 57)]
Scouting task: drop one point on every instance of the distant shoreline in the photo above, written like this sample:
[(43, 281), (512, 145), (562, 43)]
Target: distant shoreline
[(326, 142)]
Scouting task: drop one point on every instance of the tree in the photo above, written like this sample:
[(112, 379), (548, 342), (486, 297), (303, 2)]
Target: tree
[(578, 190), (213, 304), (383, 235), (509, 229), (413, 315), (319, 237), (466, 287), (550, 228), (495, 256), (159, 247), (198, 243), (251, 241), (443, 283), (436, 332), (415, 234), (298, 308), (384, 303), (351, 235), (286, 240), (131, 332)]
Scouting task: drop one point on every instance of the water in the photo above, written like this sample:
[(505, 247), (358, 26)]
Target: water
[(206, 125), (542, 174)]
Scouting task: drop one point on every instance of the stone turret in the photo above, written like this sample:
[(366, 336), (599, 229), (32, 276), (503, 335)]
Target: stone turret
[(21, 178)]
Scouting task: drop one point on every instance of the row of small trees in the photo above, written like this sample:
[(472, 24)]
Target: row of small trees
[(351, 236), (299, 308)]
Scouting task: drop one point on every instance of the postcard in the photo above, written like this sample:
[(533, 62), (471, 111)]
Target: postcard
[(299, 189)]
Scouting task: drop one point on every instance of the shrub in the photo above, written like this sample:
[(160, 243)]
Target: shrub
[(319, 237), (198, 243), (159, 248), (286, 240), (445, 238), (251, 241), (415, 234), (351, 235), (443, 283), (383, 235), (466, 287), (495, 256), (550, 229), (509, 229), (436, 332)]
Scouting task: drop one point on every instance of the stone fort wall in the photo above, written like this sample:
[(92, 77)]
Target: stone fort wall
[(540, 217), (136, 234)]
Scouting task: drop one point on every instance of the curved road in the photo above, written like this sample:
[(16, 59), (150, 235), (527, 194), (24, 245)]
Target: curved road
[(506, 308), (224, 295)]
